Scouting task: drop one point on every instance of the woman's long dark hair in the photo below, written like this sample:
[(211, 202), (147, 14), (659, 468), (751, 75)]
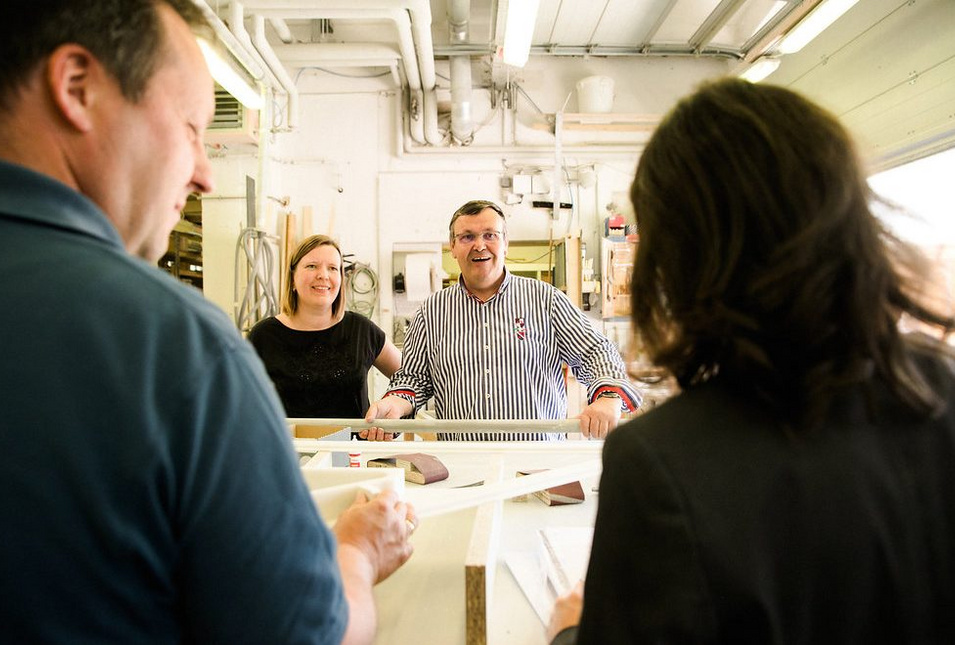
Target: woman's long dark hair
[(760, 259)]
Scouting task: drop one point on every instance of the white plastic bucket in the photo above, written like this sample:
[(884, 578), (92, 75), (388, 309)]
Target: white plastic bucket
[(595, 94)]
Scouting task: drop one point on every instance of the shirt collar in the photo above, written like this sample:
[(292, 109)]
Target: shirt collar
[(504, 285), (37, 198)]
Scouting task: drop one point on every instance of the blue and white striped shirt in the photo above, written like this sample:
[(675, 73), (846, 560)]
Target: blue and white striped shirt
[(503, 358)]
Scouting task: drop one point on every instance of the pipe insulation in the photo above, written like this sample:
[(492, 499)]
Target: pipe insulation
[(462, 119), (237, 32), (265, 49), (459, 18), (413, 21)]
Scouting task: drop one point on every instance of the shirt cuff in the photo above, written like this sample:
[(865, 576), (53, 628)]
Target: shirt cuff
[(407, 395), (628, 404)]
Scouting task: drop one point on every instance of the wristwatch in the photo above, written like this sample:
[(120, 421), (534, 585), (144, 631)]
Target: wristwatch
[(606, 394), (609, 394)]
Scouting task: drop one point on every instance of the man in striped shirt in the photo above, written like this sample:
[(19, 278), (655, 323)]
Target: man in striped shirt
[(493, 346)]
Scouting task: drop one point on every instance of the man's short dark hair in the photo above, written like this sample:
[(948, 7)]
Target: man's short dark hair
[(474, 207), (124, 35)]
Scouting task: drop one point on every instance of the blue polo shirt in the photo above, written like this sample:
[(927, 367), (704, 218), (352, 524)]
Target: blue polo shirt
[(149, 491)]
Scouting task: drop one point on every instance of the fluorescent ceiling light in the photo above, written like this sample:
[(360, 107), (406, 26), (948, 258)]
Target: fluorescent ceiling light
[(226, 76), (519, 31), (760, 69), (813, 24)]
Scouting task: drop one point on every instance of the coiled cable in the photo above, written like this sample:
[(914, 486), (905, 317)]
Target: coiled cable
[(259, 299), (362, 284)]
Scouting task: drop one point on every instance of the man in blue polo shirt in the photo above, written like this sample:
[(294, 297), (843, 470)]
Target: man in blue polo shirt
[(148, 487)]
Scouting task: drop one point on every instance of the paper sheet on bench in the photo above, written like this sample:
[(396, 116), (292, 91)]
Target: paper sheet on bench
[(571, 547)]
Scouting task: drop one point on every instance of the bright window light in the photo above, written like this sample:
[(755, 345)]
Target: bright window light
[(814, 24), (519, 31), (923, 188), (226, 76)]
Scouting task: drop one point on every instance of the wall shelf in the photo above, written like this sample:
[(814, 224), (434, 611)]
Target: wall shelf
[(602, 122), (183, 258)]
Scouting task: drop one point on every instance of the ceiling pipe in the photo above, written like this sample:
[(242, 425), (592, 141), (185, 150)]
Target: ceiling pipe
[(767, 38), (462, 123), (237, 29), (717, 19), (416, 116), (265, 49), (431, 133), (243, 52), (459, 18), (400, 19), (411, 17), (319, 55), (338, 54), (402, 22), (420, 12), (281, 29), (413, 21)]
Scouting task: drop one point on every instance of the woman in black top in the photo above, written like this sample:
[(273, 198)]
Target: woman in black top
[(316, 353)]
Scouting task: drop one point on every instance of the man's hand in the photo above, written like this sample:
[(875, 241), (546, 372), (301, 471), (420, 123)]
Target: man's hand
[(372, 544), (600, 417), (567, 611), (378, 532), (390, 407)]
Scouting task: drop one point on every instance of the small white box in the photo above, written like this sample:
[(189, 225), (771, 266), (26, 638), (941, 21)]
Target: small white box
[(540, 184), (334, 489), (523, 185)]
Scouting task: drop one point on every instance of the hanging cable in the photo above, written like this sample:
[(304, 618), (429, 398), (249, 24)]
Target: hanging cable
[(362, 284), (259, 299)]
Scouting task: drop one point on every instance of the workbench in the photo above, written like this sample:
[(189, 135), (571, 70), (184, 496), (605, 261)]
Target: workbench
[(437, 597)]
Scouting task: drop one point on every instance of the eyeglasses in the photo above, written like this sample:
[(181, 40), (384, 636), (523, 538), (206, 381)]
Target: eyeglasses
[(489, 237)]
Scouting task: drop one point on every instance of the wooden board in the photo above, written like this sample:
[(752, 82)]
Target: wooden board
[(480, 563), (314, 432), (288, 247)]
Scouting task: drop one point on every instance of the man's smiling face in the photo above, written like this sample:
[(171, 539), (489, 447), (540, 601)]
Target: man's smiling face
[(481, 260)]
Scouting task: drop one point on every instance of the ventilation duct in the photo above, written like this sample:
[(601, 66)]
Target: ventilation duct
[(232, 122)]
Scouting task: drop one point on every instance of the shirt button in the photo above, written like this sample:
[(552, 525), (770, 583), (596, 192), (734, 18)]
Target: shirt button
[(487, 396), (487, 371), (487, 347)]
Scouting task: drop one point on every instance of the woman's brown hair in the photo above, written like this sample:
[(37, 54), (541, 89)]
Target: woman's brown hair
[(289, 296)]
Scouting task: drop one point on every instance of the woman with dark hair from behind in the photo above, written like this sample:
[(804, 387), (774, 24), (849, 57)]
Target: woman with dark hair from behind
[(801, 487)]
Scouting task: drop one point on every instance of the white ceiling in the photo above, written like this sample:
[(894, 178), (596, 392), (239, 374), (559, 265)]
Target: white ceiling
[(569, 27), (887, 68)]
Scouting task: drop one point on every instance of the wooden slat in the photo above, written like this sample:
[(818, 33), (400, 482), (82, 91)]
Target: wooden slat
[(480, 564), (288, 247), (314, 432)]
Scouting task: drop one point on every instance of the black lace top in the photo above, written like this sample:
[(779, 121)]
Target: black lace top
[(322, 374)]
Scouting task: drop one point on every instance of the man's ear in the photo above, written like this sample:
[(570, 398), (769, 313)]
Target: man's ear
[(72, 75)]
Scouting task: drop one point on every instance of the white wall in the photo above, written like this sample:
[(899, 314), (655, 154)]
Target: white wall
[(223, 217), (371, 187)]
